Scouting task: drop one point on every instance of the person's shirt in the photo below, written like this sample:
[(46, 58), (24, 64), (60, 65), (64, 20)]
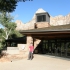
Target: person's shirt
[(31, 48)]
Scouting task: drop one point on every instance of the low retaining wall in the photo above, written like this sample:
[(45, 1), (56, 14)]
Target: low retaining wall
[(12, 50)]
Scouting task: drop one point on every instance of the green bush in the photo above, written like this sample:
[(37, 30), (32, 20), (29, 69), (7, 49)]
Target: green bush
[(2, 44)]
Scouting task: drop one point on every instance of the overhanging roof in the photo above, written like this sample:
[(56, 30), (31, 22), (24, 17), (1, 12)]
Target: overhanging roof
[(59, 28), (53, 32)]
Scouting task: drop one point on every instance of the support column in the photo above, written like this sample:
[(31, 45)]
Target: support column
[(29, 41)]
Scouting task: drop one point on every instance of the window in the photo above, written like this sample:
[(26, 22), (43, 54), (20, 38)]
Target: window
[(41, 18)]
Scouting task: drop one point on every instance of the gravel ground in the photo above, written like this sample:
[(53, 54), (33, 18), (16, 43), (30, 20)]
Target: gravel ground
[(40, 62)]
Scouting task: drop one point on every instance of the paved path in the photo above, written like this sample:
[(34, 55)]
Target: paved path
[(40, 62)]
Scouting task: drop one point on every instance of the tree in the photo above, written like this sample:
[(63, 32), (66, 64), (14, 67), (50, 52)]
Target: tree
[(8, 31), (8, 26), (8, 5)]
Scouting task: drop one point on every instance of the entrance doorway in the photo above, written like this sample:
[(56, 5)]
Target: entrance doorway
[(56, 47)]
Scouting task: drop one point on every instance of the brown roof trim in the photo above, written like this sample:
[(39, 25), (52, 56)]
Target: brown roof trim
[(48, 29)]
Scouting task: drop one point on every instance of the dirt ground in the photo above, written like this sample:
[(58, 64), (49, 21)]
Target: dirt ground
[(9, 58)]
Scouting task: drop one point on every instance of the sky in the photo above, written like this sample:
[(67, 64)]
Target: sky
[(26, 10)]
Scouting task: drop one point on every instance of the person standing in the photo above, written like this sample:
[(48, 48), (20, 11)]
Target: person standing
[(31, 49)]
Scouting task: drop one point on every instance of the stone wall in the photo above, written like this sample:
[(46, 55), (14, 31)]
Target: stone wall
[(60, 20), (21, 46), (12, 50), (42, 24)]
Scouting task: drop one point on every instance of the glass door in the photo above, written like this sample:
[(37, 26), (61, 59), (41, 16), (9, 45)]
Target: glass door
[(62, 49), (53, 48), (58, 49), (68, 49)]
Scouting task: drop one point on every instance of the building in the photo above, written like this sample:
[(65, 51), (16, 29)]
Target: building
[(47, 39)]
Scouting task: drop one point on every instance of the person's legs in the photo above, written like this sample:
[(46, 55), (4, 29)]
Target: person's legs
[(29, 55)]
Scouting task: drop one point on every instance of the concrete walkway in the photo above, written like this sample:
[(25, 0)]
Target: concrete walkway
[(40, 62)]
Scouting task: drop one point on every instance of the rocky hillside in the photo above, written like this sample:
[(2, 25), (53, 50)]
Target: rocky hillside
[(54, 21)]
